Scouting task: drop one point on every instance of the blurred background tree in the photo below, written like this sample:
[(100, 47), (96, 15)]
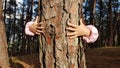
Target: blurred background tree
[(4, 58)]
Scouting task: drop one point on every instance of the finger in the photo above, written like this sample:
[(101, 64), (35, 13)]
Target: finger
[(72, 25), (71, 34), (40, 28), (70, 29), (37, 19), (39, 24), (39, 31)]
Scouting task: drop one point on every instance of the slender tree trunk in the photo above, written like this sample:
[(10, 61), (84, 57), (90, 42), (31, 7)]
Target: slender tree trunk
[(4, 59), (115, 28), (110, 24), (93, 13), (101, 23), (57, 50)]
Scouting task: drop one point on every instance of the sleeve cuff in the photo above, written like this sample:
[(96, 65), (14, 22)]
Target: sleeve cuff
[(27, 30), (93, 34)]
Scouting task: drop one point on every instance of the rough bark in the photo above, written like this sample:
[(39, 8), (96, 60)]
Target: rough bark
[(56, 49), (4, 59)]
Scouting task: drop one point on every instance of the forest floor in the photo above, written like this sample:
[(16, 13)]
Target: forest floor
[(95, 58)]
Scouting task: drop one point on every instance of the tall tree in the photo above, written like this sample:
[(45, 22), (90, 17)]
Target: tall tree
[(110, 23), (4, 59), (116, 19), (93, 12), (57, 50), (101, 23)]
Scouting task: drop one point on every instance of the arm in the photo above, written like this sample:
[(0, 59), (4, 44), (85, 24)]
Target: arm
[(89, 33)]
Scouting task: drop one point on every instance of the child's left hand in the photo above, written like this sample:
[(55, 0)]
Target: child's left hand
[(75, 30), (36, 27)]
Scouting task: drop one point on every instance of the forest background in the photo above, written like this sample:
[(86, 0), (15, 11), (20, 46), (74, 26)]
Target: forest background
[(104, 14)]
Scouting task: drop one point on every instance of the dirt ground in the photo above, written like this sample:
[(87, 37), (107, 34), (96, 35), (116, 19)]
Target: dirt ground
[(95, 58), (103, 58)]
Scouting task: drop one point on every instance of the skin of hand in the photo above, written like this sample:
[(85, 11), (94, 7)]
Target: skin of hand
[(74, 31), (36, 27)]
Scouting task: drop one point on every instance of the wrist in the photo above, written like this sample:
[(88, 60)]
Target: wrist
[(87, 32)]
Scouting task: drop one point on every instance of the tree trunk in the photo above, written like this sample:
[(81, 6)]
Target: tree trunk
[(93, 12), (110, 23), (4, 59), (56, 49)]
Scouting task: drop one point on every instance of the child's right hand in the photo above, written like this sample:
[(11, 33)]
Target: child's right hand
[(36, 27)]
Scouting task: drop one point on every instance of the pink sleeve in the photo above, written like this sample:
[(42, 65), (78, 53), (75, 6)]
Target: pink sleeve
[(27, 31), (93, 34)]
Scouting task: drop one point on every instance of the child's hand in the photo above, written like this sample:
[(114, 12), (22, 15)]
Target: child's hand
[(75, 31), (36, 27)]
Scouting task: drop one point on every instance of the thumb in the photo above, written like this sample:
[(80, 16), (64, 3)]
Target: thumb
[(81, 21), (37, 19)]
